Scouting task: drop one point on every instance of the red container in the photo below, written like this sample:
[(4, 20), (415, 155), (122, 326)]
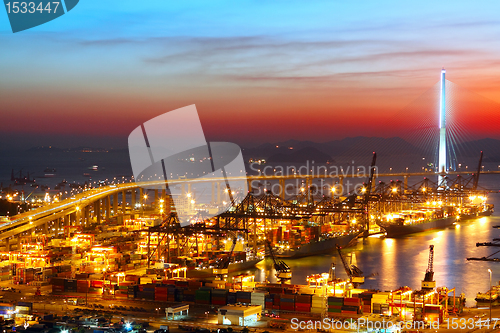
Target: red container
[(353, 300), (161, 298), (218, 302), (302, 308), (96, 283)]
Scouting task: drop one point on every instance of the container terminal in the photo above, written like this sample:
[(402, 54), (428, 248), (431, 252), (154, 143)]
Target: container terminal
[(142, 254)]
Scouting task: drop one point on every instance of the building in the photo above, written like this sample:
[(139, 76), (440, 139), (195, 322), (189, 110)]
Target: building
[(241, 315)]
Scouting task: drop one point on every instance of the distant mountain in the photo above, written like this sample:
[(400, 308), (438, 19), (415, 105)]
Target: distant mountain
[(490, 148), (43, 149), (356, 146), (81, 149), (302, 155), (360, 145)]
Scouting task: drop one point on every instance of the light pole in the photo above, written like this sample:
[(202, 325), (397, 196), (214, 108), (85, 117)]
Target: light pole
[(489, 270), (145, 197)]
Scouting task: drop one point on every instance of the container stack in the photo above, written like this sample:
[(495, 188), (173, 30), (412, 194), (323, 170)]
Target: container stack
[(170, 293), (380, 303), (258, 298), (287, 302), (63, 271), (121, 292), (203, 295), (146, 292), (219, 297), (276, 290), (132, 278), (276, 301), (48, 273), (317, 304), (335, 305), (132, 291), (366, 298), (352, 306), (380, 308), (194, 285), (57, 285), (268, 302), (70, 285), (161, 293), (303, 303), (178, 294), (231, 298), (188, 296), (244, 297), (181, 283)]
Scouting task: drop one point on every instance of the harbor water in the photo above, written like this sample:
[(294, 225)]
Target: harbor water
[(397, 262)]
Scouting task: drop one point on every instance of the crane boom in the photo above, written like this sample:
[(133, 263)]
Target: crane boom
[(223, 264), (370, 179), (344, 262), (353, 272), (476, 177), (283, 272)]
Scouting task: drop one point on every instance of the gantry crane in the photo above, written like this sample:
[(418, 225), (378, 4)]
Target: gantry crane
[(283, 272), (428, 282), (353, 272), (222, 264)]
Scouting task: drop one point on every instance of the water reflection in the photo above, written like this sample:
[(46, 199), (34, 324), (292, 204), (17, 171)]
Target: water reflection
[(403, 261)]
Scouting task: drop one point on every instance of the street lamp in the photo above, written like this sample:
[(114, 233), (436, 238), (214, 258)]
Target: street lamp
[(489, 270)]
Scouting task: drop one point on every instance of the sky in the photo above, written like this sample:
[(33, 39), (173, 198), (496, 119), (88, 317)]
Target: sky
[(257, 71)]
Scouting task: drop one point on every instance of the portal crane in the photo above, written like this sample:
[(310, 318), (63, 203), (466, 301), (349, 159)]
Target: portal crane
[(428, 282), (353, 272), (222, 264), (283, 272), (331, 274)]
